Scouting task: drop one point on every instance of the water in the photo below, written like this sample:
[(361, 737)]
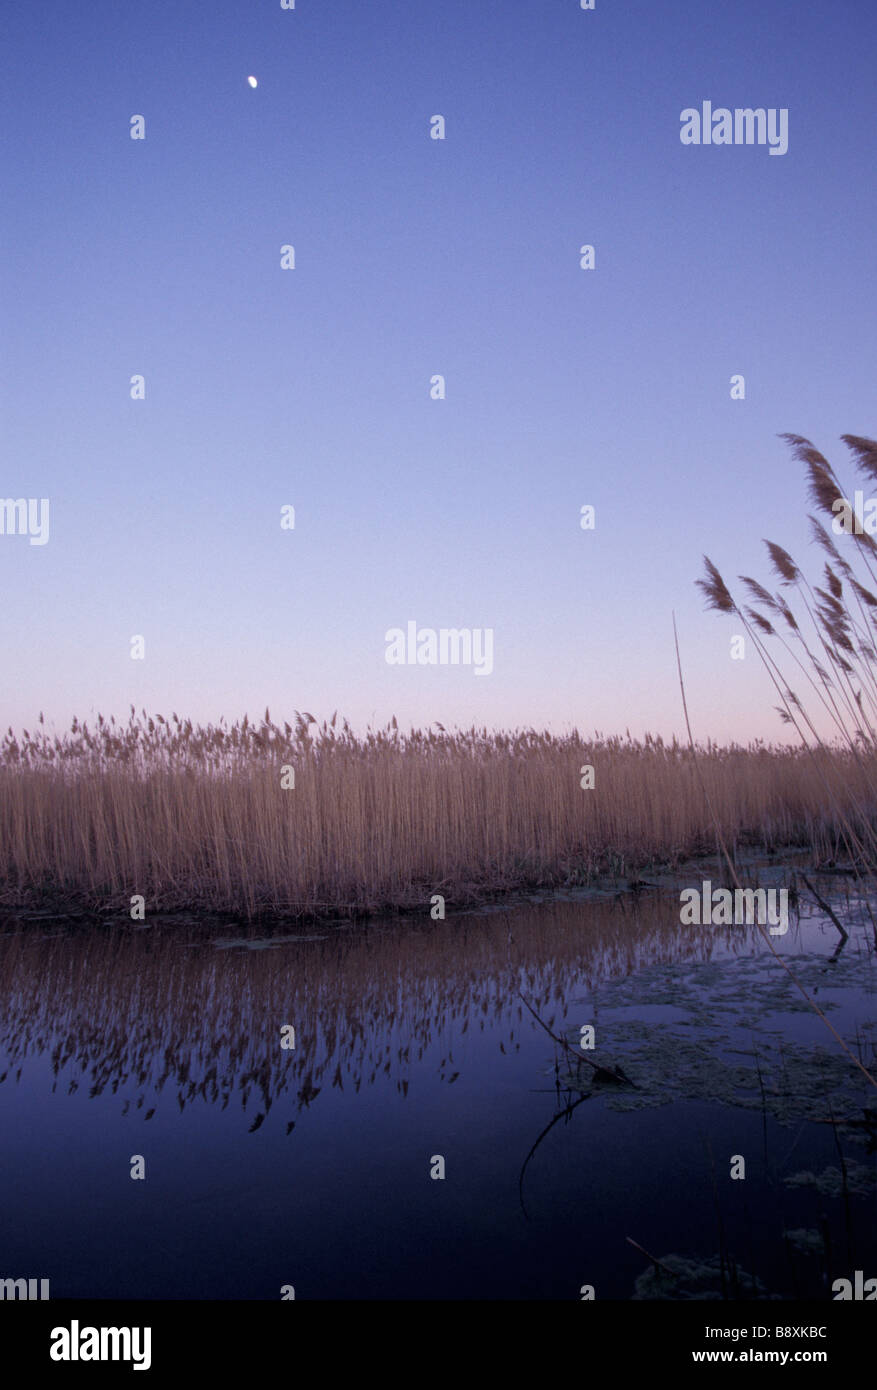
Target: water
[(310, 1167)]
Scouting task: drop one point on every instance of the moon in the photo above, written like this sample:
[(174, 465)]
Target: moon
[(252, 81)]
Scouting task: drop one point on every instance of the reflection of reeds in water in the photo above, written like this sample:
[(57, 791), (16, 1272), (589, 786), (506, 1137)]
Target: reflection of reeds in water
[(190, 815), (155, 1020)]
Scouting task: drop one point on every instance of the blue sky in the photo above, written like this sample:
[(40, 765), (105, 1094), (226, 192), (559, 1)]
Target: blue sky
[(414, 257)]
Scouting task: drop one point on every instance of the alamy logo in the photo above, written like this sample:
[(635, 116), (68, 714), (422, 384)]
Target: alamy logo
[(744, 906), (860, 1288), (20, 516), (858, 518), (24, 1288), (449, 646), (74, 1343), (742, 126)]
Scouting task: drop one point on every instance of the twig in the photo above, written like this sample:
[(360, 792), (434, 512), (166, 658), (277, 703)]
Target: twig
[(825, 908), (564, 1113), (657, 1263), (602, 1073)]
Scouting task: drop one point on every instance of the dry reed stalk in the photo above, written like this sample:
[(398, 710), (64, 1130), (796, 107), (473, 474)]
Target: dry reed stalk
[(190, 815)]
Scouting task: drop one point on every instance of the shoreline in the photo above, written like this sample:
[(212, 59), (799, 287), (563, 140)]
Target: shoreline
[(57, 906)]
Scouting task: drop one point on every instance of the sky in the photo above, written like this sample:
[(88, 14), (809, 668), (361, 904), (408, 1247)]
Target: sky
[(414, 258)]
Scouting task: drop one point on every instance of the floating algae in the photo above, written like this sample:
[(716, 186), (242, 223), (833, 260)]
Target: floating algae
[(677, 1278), (728, 1040), (805, 1240), (831, 1182)]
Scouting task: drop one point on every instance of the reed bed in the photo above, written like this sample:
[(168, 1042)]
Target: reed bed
[(192, 816), (198, 816)]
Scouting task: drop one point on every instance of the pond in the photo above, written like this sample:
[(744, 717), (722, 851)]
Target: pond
[(425, 1137)]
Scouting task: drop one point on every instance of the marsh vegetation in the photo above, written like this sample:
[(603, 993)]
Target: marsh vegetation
[(193, 816)]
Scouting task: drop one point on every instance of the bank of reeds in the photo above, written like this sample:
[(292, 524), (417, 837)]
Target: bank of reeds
[(198, 816)]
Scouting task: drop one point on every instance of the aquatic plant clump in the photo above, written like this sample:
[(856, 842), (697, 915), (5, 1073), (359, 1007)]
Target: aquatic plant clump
[(318, 820), (729, 1043), (676, 1278)]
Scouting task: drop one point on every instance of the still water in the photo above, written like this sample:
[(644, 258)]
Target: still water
[(311, 1166)]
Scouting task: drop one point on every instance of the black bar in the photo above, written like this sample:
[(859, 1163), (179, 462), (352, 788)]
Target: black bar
[(261, 1339)]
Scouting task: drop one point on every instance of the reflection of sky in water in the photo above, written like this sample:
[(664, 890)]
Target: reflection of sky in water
[(311, 1167)]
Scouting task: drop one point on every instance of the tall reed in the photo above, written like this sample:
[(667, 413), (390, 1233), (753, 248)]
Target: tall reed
[(817, 642), (191, 815)]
